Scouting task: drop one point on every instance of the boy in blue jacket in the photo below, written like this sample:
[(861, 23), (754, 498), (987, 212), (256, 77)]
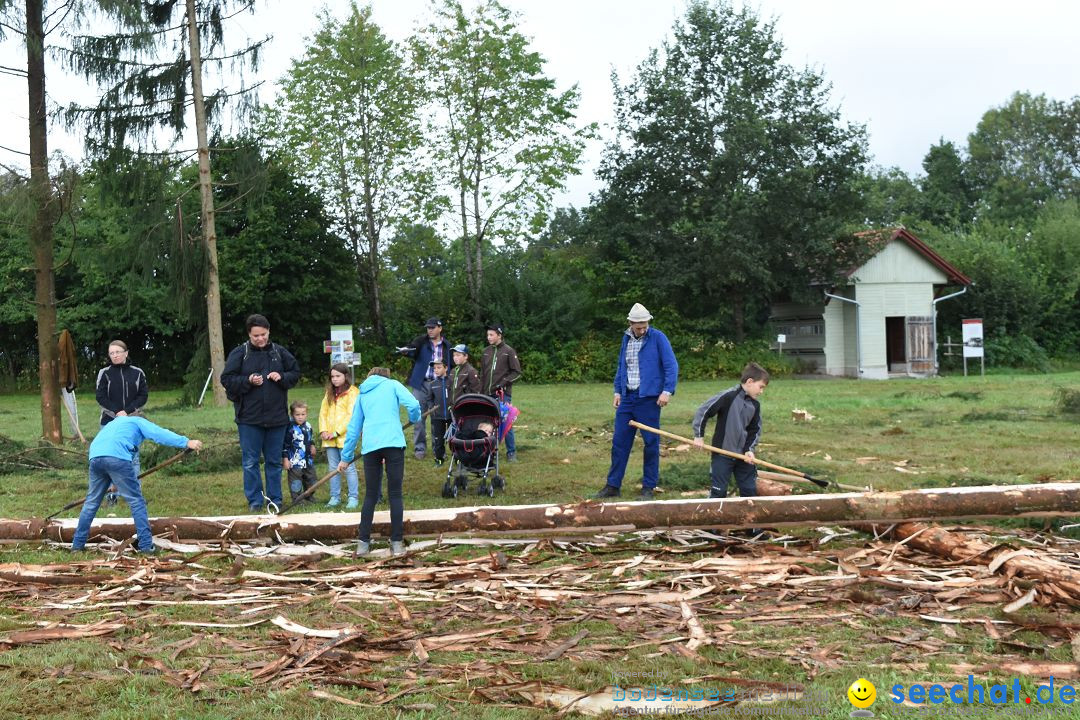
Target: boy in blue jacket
[(111, 463), (438, 399), (645, 380)]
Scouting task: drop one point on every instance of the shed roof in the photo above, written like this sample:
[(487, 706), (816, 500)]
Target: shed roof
[(876, 240)]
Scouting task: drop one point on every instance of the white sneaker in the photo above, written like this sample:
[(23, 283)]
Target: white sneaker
[(397, 547), (363, 547)]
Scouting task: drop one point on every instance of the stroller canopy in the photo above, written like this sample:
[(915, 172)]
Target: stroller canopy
[(476, 405)]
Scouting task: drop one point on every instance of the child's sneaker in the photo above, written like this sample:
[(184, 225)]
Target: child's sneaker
[(397, 547), (363, 547), (352, 504), (438, 462), (334, 502)]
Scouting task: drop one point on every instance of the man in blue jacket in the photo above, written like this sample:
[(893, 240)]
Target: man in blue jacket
[(111, 455), (257, 378), (644, 383), (423, 350)]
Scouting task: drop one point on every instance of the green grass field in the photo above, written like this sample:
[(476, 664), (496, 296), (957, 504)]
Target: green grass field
[(891, 435)]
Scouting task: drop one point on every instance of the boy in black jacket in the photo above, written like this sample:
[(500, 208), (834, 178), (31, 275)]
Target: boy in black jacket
[(738, 429), (438, 399)]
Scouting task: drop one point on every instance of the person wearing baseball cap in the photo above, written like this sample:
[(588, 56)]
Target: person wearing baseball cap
[(499, 369), (463, 378), (644, 383), (423, 350)]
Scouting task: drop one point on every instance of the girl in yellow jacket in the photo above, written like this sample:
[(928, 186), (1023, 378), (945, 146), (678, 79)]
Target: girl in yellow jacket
[(334, 415)]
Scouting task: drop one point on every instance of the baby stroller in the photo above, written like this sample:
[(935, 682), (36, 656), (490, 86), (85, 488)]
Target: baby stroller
[(474, 446)]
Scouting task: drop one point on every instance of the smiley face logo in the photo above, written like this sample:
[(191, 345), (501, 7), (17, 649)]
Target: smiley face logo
[(862, 693)]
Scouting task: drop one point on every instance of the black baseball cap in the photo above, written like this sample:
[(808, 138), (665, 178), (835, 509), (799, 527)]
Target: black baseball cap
[(497, 327), (433, 322)]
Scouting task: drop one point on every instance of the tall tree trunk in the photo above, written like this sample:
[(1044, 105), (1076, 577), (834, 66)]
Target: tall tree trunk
[(738, 313), (206, 190), (41, 234), (373, 263)]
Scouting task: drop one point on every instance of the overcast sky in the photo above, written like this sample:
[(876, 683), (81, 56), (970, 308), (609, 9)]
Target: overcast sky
[(913, 72)]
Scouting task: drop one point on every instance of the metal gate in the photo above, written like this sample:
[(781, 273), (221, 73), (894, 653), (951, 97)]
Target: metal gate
[(920, 345)]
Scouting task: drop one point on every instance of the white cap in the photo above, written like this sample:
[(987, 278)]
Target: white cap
[(638, 313)]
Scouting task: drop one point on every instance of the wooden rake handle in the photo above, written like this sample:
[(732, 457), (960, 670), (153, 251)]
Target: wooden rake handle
[(738, 456)]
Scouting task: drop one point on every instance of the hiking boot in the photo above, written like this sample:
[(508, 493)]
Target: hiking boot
[(511, 457), (363, 547), (111, 498), (438, 462), (334, 501), (608, 491), (352, 504), (255, 508), (151, 551), (397, 547), (646, 494), (419, 454)]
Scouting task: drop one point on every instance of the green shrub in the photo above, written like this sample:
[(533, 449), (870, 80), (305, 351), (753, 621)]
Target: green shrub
[(1016, 351), (1068, 401)]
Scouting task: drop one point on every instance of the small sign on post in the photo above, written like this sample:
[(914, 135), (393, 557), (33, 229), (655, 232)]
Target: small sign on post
[(340, 348), (973, 343), (780, 340)]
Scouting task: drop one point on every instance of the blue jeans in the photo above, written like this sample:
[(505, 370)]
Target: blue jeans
[(394, 458), (647, 412), (352, 483), (256, 440), (106, 471), (745, 476)]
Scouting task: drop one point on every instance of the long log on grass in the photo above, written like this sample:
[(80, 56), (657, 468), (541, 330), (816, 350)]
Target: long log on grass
[(1043, 500)]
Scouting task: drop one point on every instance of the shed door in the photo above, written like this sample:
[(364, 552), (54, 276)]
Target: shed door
[(920, 344)]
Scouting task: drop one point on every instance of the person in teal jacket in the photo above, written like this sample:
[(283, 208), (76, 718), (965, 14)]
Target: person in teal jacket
[(376, 423), (112, 456)]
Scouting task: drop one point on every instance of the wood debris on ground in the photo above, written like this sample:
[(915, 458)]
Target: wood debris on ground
[(474, 621)]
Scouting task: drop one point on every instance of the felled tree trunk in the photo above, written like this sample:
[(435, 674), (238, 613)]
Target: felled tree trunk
[(1044, 500)]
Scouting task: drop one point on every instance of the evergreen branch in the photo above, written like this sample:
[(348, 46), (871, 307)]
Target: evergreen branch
[(14, 173), (12, 28), (67, 7), (13, 150)]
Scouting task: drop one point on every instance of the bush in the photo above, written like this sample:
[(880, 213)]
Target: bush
[(1068, 400), (1016, 351)]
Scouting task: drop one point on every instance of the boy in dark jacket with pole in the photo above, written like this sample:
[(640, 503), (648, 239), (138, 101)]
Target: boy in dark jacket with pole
[(738, 429)]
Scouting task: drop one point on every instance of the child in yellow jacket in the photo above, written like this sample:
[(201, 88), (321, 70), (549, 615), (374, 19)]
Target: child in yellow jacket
[(334, 415)]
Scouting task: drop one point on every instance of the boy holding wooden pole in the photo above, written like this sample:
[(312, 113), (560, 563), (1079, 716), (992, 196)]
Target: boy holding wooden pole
[(738, 429)]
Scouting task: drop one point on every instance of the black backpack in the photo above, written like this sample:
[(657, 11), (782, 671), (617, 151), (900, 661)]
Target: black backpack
[(274, 355)]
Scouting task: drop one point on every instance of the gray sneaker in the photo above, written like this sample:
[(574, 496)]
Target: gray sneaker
[(363, 547), (397, 547)]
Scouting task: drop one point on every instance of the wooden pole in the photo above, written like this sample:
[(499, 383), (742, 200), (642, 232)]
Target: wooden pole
[(737, 456), (1042, 500)]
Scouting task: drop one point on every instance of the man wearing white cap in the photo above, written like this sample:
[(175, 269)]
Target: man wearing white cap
[(644, 383)]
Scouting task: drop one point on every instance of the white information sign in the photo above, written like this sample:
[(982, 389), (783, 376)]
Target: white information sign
[(973, 338)]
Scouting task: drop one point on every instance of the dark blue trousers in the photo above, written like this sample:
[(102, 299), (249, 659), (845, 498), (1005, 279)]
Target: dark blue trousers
[(647, 412), (745, 476)]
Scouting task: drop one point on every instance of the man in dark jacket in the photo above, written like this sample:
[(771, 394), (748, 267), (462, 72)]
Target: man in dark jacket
[(499, 369), (645, 380), (257, 378), (423, 350)]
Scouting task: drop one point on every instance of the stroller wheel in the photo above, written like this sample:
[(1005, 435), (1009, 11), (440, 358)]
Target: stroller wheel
[(485, 489), (498, 482), (448, 490), (461, 481)]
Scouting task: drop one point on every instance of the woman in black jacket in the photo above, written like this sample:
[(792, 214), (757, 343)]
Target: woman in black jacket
[(121, 391), (121, 387)]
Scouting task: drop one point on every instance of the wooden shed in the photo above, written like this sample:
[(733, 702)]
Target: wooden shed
[(882, 322)]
